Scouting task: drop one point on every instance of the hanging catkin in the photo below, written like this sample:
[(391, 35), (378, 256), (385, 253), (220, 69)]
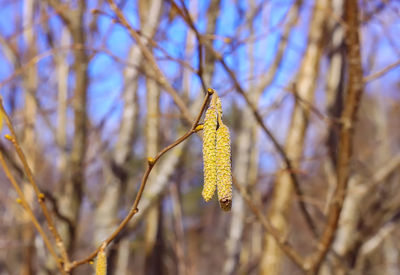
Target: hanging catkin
[(217, 155), (209, 153), (224, 173), (101, 263)]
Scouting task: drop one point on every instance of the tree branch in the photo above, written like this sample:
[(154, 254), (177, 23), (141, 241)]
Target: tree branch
[(348, 118), (40, 196), (150, 165)]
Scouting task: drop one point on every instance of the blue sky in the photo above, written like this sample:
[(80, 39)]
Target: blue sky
[(106, 74)]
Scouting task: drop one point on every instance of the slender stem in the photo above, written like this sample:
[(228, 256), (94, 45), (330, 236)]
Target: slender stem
[(28, 209), (41, 197), (150, 164)]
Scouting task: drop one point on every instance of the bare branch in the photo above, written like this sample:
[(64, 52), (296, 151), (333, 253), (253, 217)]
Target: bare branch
[(151, 161), (40, 196)]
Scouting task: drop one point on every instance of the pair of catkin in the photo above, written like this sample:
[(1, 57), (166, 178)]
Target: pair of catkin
[(217, 155)]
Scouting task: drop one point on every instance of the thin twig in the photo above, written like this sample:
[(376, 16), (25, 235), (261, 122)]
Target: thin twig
[(150, 164), (28, 209), (382, 72), (41, 197)]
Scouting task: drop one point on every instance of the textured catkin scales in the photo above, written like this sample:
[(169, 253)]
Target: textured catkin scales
[(101, 263), (224, 173), (218, 106), (209, 154)]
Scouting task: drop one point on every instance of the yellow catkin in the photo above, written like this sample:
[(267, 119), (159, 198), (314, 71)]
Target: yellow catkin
[(216, 102), (224, 172), (101, 263), (218, 105), (209, 153)]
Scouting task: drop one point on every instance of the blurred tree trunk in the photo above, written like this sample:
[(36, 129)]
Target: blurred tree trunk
[(241, 171), (187, 75), (213, 12), (334, 105), (149, 13), (179, 242), (334, 93), (263, 83), (30, 82), (305, 88), (107, 212), (62, 68), (73, 192)]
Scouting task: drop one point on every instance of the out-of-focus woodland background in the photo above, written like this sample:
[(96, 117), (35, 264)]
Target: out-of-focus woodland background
[(94, 88)]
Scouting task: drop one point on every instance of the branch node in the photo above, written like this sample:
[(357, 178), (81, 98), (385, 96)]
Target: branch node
[(9, 137), (41, 197), (199, 127), (151, 161)]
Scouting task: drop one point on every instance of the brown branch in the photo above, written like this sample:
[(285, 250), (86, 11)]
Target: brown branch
[(74, 187), (40, 196), (62, 9), (24, 203), (150, 165), (348, 118), (382, 72)]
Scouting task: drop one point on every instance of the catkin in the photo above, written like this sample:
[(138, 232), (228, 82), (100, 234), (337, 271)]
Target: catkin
[(101, 263), (223, 163), (218, 105), (209, 154)]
